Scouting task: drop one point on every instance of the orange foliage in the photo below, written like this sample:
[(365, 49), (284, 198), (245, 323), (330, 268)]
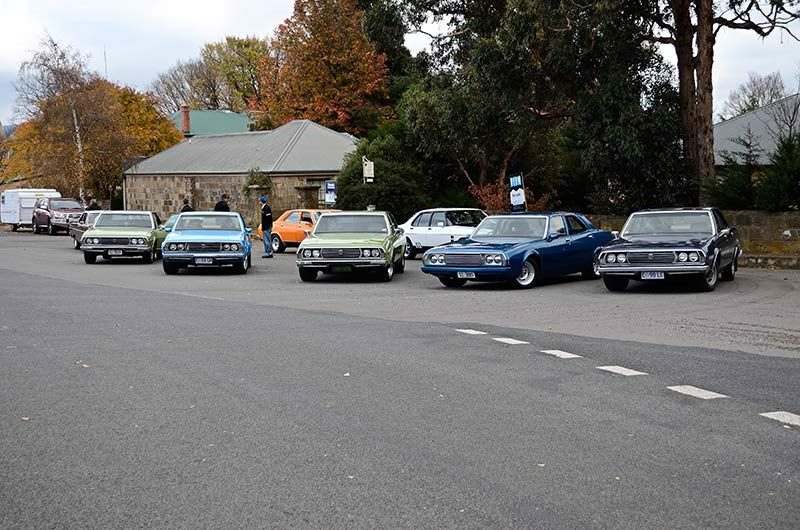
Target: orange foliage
[(322, 67), (496, 197)]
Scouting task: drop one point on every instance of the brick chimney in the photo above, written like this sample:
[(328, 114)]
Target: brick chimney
[(185, 121)]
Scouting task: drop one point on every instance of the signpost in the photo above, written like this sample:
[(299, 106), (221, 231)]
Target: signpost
[(330, 192), (369, 169), (517, 193)]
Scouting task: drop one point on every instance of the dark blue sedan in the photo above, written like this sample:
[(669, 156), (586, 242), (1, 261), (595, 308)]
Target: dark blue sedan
[(519, 249)]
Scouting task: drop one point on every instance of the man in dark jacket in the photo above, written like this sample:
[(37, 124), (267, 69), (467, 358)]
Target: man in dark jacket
[(266, 226), (222, 205), (186, 206), (93, 205)]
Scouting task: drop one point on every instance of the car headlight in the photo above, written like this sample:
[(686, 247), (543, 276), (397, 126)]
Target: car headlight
[(693, 256), (682, 256), (235, 247), (365, 252), (181, 246), (172, 246), (611, 258), (226, 246), (438, 259), (58, 215), (316, 253), (622, 258), (376, 253), (307, 253)]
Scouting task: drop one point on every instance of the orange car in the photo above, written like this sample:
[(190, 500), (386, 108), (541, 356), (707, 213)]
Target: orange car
[(290, 228)]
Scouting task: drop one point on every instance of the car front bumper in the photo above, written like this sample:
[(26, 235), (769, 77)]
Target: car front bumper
[(345, 265), (632, 271), (201, 258), (116, 250), (486, 274)]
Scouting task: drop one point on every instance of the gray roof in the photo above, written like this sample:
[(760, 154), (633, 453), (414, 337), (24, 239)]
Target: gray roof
[(765, 123), (300, 146)]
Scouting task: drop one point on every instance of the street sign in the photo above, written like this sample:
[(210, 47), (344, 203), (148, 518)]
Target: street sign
[(369, 169), (517, 193), (330, 192)]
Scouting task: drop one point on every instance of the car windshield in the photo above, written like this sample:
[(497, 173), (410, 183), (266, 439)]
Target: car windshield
[(349, 224), (125, 220), (171, 221), (505, 226), (65, 203), (465, 217), (91, 216), (667, 224), (208, 222)]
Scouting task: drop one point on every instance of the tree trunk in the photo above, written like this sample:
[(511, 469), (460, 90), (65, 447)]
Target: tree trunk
[(687, 89), (79, 145), (705, 103)]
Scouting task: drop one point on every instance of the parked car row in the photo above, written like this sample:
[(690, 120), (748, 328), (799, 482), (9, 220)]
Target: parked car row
[(518, 248)]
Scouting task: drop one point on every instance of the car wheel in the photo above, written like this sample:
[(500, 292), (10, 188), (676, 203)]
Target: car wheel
[(75, 243), (240, 268), (169, 268), (51, 230), (34, 226), (453, 282), (527, 275), (149, 256), (708, 282), (249, 260), (410, 251), (387, 274), (400, 267), (14, 227), (89, 258), (277, 244), (592, 273), (729, 272), (307, 275), (615, 283)]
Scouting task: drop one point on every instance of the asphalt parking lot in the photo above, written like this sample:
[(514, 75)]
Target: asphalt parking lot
[(757, 313)]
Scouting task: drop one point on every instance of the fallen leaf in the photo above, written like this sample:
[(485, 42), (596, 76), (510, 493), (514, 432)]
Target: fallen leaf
[(347, 374), (25, 418)]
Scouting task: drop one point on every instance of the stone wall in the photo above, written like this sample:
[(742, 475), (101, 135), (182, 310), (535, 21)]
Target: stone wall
[(768, 239)]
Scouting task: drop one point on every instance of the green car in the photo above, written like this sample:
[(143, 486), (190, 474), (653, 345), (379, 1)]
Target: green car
[(124, 234), (344, 242)]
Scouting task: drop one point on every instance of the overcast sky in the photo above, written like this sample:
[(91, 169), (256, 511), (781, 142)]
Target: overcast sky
[(132, 42)]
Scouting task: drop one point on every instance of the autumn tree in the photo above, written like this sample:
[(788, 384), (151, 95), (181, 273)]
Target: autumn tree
[(321, 67)]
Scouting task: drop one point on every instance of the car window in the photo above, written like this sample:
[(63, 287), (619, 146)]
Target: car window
[(529, 227), (294, 217), (343, 224), (423, 219), (576, 226), (125, 220), (439, 219), (305, 217), (557, 225), (208, 222), (65, 203), (465, 217), (722, 224)]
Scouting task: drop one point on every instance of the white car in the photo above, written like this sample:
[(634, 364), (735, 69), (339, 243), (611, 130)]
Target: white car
[(437, 226)]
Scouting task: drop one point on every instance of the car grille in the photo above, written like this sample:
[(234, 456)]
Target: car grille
[(468, 260), (651, 257), (114, 241), (348, 253), (203, 247)]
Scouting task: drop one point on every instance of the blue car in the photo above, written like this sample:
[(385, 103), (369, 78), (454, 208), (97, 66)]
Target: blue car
[(207, 239), (519, 249)]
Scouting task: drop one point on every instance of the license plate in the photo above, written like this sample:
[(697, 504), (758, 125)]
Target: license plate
[(115, 253), (203, 261), (341, 268), (465, 275), (653, 275)]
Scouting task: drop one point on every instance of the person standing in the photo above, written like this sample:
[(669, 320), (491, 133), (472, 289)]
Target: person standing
[(93, 205), (186, 206), (222, 205), (266, 226)]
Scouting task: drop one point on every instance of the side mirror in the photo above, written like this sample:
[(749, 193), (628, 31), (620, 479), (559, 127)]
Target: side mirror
[(307, 232), (615, 233), (167, 230), (554, 235), (248, 230), (399, 231)]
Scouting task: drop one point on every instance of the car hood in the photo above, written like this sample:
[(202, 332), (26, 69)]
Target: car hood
[(117, 231), (343, 240), (190, 236), (68, 210), (500, 245), (655, 242)]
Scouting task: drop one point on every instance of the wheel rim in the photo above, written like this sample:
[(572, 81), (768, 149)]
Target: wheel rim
[(712, 275), (276, 243), (390, 271), (407, 251), (527, 274), (75, 243)]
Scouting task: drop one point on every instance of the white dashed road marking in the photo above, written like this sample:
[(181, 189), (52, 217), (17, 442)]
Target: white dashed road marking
[(561, 354), (696, 392), (783, 417), (620, 370), (471, 331), (506, 340)]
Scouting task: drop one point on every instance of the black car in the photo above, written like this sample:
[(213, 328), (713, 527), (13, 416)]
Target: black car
[(655, 245)]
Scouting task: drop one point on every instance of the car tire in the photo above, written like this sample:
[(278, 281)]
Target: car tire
[(14, 227), (387, 274), (149, 256), (527, 276), (89, 258), (400, 266), (453, 282), (410, 252), (307, 275), (34, 226), (76, 244), (615, 283), (591, 273), (708, 282), (240, 268), (729, 272), (51, 230), (277, 243), (170, 268)]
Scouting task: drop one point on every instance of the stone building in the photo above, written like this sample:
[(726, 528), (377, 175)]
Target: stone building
[(298, 157)]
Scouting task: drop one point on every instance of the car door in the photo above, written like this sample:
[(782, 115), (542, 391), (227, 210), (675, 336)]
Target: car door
[(418, 231), (290, 228), (39, 212), (726, 238), (582, 245), (438, 233), (159, 233), (555, 257), (306, 224)]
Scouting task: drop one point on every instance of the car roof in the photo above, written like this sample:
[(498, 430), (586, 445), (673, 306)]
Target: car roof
[(680, 209), (356, 212), (126, 211), (448, 209), (221, 214)]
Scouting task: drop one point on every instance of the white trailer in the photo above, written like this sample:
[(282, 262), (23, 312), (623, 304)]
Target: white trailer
[(16, 206)]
